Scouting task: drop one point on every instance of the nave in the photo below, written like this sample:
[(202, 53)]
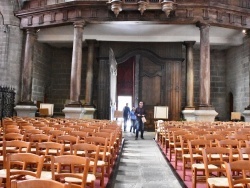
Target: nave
[(142, 165)]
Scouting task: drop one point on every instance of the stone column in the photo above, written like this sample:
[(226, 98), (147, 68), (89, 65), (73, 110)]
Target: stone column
[(74, 108), (26, 107), (204, 66), (206, 112), (27, 71), (246, 112), (88, 106), (189, 110)]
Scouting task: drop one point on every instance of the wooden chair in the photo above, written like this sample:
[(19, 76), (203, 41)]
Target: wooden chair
[(196, 160), (214, 138), (183, 154), (76, 179), (14, 146), (38, 183), (215, 157), (230, 144), (242, 167), (104, 159), (81, 135), (25, 159), (27, 133), (54, 135), (37, 138), (68, 141), (49, 149), (177, 144), (92, 152), (13, 136)]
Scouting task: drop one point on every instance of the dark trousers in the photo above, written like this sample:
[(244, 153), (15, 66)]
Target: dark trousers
[(140, 127)]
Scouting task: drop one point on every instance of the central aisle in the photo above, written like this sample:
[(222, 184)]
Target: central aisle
[(142, 165)]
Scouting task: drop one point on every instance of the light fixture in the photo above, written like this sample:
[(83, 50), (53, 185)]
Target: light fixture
[(167, 6), (142, 6), (116, 6)]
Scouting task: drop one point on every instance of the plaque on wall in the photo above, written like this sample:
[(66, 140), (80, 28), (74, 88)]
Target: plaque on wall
[(160, 112)]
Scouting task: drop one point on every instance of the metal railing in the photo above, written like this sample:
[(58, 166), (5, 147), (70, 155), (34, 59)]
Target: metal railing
[(7, 101)]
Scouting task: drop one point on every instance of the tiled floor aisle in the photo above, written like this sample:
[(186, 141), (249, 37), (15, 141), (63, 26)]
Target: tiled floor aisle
[(142, 165)]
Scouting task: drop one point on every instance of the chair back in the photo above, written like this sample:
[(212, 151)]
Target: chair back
[(74, 162), (38, 183)]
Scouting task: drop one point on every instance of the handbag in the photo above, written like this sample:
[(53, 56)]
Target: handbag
[(143, 119)]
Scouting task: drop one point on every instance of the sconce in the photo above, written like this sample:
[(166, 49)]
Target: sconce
[(116, 6), (142, 6), (167, 6)]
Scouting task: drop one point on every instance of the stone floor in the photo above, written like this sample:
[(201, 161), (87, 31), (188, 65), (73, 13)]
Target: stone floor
[(142, 165)]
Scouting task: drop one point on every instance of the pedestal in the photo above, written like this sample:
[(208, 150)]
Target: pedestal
[(26, 110), (89, 113), (246, 114), (189, 114), (74, 112), (205, 115)]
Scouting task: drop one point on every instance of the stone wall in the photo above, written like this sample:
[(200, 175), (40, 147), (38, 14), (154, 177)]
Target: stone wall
[(218, 81), (11, 44), (41, 72), (59, 92), (238, 75)]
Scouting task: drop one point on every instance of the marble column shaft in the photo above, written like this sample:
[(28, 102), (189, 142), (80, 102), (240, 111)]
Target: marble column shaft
[(27, 71), (204, 66), (76, 67), (89, 77), (190, 73)]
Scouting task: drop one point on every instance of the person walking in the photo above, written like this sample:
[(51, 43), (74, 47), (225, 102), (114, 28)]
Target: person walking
[(126, 113), (133, 120), (140, 113)]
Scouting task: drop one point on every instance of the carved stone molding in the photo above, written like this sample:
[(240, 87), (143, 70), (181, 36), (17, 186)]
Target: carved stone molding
[(219, 14)]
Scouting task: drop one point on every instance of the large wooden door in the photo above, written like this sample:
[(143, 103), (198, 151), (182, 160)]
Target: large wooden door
[(160, 85)]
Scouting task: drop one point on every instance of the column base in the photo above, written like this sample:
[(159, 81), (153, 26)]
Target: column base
[(26, 110), (189, 114), (73, 112), (246, 114), (89, 112), (205, 115)]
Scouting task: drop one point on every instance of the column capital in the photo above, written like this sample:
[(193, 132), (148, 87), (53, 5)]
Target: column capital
[(31, 31), (202, 24), (79, 24), (189, 43)]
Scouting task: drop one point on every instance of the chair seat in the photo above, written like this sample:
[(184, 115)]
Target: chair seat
[(3, 172), (90, 178), (220, 182), (194, 155), (202, 167)]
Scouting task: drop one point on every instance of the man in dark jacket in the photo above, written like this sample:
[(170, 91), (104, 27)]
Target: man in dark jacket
[(126, 112), (140, 112)]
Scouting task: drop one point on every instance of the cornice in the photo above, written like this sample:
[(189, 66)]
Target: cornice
[(212, 13)]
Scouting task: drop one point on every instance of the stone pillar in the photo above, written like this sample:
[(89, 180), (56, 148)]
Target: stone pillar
[(74, 108), (246, 112), (27, 71), (206, 112), (88, 106), (26, 107), (189, 110)]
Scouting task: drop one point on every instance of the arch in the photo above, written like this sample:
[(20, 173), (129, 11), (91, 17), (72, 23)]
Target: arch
[(146, 53)]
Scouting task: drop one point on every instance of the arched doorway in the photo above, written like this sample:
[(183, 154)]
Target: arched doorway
[(153, 80)]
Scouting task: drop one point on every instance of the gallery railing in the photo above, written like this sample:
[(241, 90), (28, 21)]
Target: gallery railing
[(7, 101)]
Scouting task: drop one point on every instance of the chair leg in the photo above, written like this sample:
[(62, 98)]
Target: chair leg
[(194, 176)]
